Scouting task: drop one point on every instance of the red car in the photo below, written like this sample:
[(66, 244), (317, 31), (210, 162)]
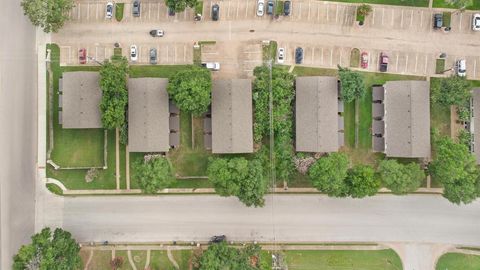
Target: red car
[(364, 60), (82, 56)]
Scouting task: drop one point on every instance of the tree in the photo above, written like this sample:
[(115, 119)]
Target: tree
[(113, 82), (399, 178), (328, 174), (362, 181), (190, 89), (153, 175), (455, 167), (454, 90), (364, 9), (220, 256), (53, 252), (48, 14), (180, 5), (352, 84), (239, 177)]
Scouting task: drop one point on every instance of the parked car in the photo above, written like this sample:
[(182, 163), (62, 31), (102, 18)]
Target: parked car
[(217, 239), (215, 12), (156, 33), (476, 22), (212, 65), (270, 7), (136, 8), (461, 67), (133, 53), (260, 7), (364, 60), (437, 21), (281, 55), (153, 56), (82, 56), (383, 62), (287, 5), (298, 55), (109, 10)]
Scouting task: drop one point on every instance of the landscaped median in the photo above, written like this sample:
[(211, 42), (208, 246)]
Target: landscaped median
[(462, 259)]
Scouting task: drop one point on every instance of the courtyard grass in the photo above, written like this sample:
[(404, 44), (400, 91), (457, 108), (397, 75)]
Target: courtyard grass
[(159, 260), (139, 258), (447, 4), (343, 260), (413, 3), (183, 258), (119, 7), (77, 147), (269, 52), (439, 66), (458, 261), (100, 259)]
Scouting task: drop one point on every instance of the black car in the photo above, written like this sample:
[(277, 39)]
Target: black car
[(215, 12), (218, 239), (286, 7), (298, 55), (270, 7), (437, 21)]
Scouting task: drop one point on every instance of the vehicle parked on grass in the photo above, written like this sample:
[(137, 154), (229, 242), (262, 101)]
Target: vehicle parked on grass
[(476, 22), (383, 62), (260, 8), (270, 7), (281, 55), (109, 10), (133, 53), (437, 21), (215, 12), (136, 8), (156, 33), (298, 55), (153, 56), (212, 65), (364, 60), (287, 5), (82, 56), (461, 67)]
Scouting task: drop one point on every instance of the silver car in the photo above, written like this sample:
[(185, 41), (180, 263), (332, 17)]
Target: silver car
[(136, 8), (153, 56)]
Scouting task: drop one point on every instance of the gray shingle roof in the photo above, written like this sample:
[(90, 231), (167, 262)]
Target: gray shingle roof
[(148, 111), (316, 107), (476, 123), (81, 100), (232, 129), (407, 119), (378, 93)]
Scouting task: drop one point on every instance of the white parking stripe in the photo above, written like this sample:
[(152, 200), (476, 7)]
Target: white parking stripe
[(393, 17), (336, 14), (238, 7), (396, 64), (373, 15), (228, 10), (460, 24), (327, 12), (149, 8), (300, 14), (321, 57), (318, 12), (426, 64), (331, 57), (88, 11), (411, 19), (421, 19), (246, 10), (309, 3), (96, 11), (416, 62), (383, 15), (79, 11), (401, 20), (475, 68), (406, 64)]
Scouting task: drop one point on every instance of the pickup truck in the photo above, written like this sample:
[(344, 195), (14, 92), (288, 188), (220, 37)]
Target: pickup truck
[(383, 62)]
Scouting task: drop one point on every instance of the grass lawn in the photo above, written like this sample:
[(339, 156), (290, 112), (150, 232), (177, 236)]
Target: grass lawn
[(100, 260), (139, 258), (458, 261), (349, 123), (197, 55), (159, 260), (126, 262), (279, 8), (439, 66), (269, 52), (77, 147), (440, 118), (54, 189), (298, 180), (199, 7), (355, 58), (119, 11), (447, 19), (182, 257), (446, 4), (343, 260), (416, 3)]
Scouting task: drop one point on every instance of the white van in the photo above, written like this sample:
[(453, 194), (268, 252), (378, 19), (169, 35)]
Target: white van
[(461, 67)]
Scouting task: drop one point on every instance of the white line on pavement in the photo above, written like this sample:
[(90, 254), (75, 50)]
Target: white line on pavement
[(96, 11), (184, 53), (401, 20), (416, 62), (318, 12), (421, 19), (336, 13), (475, 68), (175, 54), (88, 11), (393, 17), (460, 24), (149, 8), (309, 3), (426, 64), (411, 19), (78, 11), (383, 15), (327, 11), (321, 57), (228, 10), (406, 64), (331, 57), (373, 16), (238, 8), (246, 9), (396, 64), (313, 55), (300, 14)]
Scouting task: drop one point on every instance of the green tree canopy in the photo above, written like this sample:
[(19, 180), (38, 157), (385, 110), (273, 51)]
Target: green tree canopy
[(352, 84), (180, 5), (364, 10), (362, 181), (455, 167), (239, 177), (190, 89), (454, 90), (47, 14), (153, 175), (53, 252), (399, 178), (328, 174), (220, 256), (113, 82)]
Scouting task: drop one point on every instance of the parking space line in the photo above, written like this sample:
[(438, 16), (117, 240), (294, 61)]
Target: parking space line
[(313, 55), (396, 64), (475, 68), (340, 60), (416, 62), (309, 3), (210, 10), (401, 20), (336, 14), (331, 57), (175, 54), (318, 12), (88, 11), (411, 19), (321, 57), (167, 53), (105, 55), (426, 64), (406, 64), (158, 13), (373, 14), (300, 14), (460, 24), (184, 53), (228, 10), (238, 7), (421, 19), (246, 9), (393, 17), (149, 8), (327, 12), (383, 14), (96, 52), (96, 11), (79, 9)]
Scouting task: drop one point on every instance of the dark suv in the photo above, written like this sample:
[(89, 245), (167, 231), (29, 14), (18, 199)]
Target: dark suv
[(437, 21), (286, 7), (218, 239), (298, 55), (215, 12)]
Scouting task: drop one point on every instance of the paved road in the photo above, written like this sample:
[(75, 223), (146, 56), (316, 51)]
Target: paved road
[(17, 129)]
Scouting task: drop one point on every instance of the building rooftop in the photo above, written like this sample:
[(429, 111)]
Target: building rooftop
[(407, 119), (476, 123), (232, 128), (316, 107), (81, 100), (148, 112)]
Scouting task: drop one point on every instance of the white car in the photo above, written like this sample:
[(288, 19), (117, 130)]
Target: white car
[(281, 55), (476, 22), (461, 67), (260, 8), (109, 10), (215, 66), (133, 53)]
